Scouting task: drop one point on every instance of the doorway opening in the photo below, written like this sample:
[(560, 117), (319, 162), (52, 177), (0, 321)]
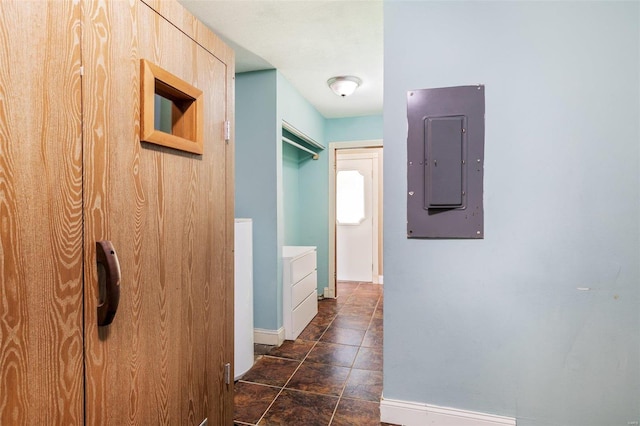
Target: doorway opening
[(355, 213)]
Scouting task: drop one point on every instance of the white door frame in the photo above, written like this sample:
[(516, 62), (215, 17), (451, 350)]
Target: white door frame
[(330, 292)]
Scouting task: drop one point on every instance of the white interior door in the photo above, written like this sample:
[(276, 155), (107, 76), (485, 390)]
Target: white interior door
[(354, 217)]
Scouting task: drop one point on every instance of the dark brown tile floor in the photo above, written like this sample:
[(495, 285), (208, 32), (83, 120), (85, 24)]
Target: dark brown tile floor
[(330, 375)]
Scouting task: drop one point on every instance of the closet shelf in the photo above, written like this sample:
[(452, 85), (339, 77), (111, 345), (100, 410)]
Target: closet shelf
[(297, 145), (298, 134)]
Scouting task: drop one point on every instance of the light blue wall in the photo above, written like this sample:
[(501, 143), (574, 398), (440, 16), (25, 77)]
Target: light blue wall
[(285, 192), (316, 176), (256, 185), (264, 171), (290, 194), (298, 112), (354, 128), (499, 325)]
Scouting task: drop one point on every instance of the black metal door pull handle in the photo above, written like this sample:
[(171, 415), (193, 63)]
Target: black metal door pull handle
[(108, 282)]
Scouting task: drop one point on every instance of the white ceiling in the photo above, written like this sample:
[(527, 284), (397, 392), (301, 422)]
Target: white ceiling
[(308, 41)]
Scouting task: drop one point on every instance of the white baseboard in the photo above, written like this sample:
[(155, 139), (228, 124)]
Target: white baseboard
[(268, 337), (380, 279), (417, 414)]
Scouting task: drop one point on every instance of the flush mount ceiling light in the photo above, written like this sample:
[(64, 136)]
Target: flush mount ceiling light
[(344, 85)]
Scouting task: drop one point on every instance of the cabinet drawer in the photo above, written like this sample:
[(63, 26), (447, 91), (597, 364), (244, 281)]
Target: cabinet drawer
[(304, 288), (304, 313), (302, 266)]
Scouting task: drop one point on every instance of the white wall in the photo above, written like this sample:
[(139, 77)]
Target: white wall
[(499, 325)]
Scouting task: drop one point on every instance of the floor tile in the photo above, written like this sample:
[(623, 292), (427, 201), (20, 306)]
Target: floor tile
[(363, 300), (345, 336), (372, 291), (358, 310), (333, 354), (271, 371), (260, 349), (319, 378), (251, 401), (352, 412), (351, 321), (376, 324), (370, 287), (347, 286), (373, 339), (300, 408), (328, 306), (341, 370), (292, 349), (369, 359), (364, 384), (312, 332), (323, 319), (343, 299), (378, 313)]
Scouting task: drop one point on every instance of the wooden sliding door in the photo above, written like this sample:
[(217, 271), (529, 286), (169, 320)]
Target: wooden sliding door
[(73, 171), (168, 214), (40, 214)]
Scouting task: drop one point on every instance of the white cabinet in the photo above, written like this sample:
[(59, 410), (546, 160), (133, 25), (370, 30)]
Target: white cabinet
[(300, 288)]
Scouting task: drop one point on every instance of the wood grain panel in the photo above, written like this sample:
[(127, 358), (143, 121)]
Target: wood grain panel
[(101, 144), (167, 213), (179, 17), (227, 56), (41, 214)]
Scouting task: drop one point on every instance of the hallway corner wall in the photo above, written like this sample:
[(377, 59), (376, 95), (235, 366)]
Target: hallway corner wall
[(265, 170), (538, 320)]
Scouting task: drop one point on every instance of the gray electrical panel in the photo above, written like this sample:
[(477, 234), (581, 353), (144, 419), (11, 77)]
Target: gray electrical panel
[(445, 150)]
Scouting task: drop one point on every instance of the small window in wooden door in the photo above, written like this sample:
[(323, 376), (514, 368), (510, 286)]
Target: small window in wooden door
[(171, 110)]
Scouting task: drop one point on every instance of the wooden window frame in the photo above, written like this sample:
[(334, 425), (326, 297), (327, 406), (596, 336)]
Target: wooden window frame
[(186, 117)]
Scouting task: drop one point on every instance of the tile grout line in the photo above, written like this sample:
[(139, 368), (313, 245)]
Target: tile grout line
[(295, 371), (305, 358), (315, 343), (335, 410), (354, 361)]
